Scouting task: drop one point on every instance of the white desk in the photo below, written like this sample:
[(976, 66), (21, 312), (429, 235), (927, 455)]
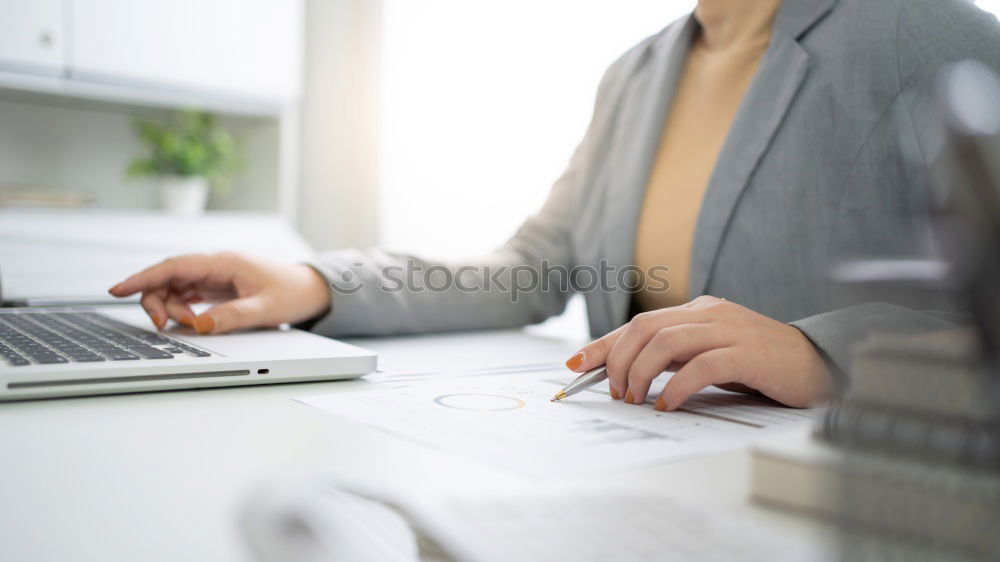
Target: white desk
[(162, 476)]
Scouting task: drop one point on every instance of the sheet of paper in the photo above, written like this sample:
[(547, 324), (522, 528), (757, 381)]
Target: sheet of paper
[(752, 411), (508, 420), (412, 358)]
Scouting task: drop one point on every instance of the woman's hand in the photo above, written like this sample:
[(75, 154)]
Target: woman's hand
[(714, 342), (250, 292)]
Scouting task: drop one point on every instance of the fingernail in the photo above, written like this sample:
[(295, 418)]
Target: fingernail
[(187, 320), (661, 404), (159, 321), (628, 396), (573, 363), (204, 324), (614, 393)]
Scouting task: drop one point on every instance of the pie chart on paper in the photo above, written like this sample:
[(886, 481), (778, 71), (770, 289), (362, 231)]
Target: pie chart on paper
[(479, 402)]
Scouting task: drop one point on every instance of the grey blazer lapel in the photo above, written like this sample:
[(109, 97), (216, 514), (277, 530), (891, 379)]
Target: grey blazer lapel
[(771, 92), (645, 105)]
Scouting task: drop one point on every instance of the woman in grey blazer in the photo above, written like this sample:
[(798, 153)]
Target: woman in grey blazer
[(825, 159)]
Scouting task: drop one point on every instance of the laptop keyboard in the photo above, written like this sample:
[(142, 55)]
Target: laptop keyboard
[(50, 337)]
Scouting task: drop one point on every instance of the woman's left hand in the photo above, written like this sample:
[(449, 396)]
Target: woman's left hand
[(714, 342)]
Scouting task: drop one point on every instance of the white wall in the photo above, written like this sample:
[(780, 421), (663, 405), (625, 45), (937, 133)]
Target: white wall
[(339, 123), (989, 5)]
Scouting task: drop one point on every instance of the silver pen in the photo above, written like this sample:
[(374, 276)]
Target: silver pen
[(583, 382)]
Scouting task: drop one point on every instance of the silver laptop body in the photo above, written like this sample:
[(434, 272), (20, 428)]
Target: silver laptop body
[(49, 352)]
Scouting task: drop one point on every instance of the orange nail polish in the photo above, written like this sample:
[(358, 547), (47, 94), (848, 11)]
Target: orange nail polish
[(204, 324), (661, 404), (187, 321), (628, 396), (614, 393), (573, 363)]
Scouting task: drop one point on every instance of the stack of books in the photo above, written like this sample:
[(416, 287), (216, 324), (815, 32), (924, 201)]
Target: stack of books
[(908, 460), (38, 196)]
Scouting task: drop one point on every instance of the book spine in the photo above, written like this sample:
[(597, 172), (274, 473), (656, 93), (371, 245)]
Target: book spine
[(938, 388), (936, 439)]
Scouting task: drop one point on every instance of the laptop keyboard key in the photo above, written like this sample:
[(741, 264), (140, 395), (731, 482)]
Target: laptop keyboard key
[(49, 359), (150, 352), (52, 337), (13, 357)]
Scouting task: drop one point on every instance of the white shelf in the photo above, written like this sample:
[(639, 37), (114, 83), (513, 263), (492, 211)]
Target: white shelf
[(24, 87)]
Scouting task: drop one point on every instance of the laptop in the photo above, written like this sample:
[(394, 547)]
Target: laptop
[(72, 351)]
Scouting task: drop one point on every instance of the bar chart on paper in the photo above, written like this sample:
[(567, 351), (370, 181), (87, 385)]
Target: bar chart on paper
[(508, 420)]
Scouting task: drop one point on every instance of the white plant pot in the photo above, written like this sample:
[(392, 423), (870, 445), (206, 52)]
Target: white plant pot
[(184, 196)]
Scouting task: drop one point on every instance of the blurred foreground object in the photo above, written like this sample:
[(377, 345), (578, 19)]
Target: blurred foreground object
[(967, 191), (920, 430), (317, 519), (308, 520), (908, 460)]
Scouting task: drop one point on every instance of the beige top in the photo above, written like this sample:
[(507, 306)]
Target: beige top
[(723, 59)]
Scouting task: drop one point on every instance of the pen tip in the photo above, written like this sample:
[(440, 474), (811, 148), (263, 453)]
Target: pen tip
[(558, 397)]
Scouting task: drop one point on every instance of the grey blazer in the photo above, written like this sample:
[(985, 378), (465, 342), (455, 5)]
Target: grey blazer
[(825, 161)]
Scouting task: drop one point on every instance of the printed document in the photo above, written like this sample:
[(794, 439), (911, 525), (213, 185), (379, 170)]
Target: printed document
[(508, 420)]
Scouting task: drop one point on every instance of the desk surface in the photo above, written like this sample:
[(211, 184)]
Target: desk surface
[(162, 476)]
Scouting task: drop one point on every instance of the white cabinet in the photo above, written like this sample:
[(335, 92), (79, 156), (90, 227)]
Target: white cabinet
[(31, 36), (238, 55), (248, 48)]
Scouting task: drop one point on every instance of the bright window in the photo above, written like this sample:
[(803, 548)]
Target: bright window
[(989, 5), (482, 105)]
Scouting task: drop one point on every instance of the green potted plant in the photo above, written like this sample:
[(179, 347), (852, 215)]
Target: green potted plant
[(189, 152)]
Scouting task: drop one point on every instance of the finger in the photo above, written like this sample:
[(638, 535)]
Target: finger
[(712, 367), (152, 303), (193, 299), (740, 388), (670, 345), (190, 296), (186, 269), (237, 314), (637, 334), (178, 309), (594, 353)]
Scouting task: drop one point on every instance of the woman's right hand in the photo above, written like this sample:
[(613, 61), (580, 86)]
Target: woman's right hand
[(248, 291)]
